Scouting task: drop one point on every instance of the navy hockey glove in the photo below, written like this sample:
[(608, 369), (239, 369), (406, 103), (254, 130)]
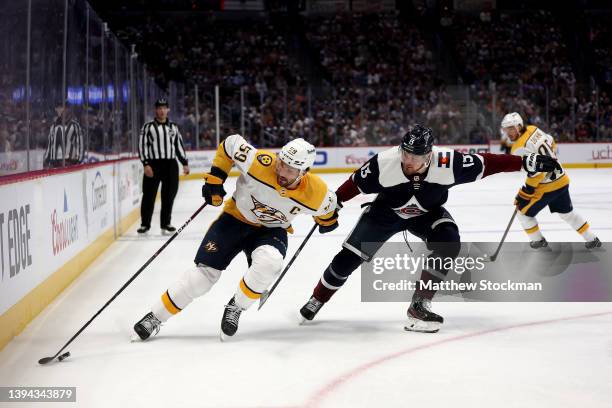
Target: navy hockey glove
[(524, 196), (212, 190)]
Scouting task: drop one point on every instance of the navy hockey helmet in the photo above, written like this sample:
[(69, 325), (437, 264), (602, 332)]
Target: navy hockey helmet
[(418, 140)]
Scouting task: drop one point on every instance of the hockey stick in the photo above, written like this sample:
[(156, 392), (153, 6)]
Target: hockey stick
[(46, 360), (266, 294), (494, 256)]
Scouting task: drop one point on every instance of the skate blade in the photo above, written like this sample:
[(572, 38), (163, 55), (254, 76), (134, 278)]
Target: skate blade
[(134, 338), (420, 326), (302, 320), (224, 338)]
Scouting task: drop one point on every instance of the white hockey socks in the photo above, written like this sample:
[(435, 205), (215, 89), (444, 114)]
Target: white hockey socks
[(531, 227), (266, 263), (579, 224), (195, 282)]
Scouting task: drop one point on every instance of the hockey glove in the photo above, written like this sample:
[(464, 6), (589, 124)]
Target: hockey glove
[(523, 197), (212, 190), (536, 163), (328, 223)]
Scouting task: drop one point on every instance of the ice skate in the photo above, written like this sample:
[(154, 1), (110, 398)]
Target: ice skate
[(147, 326), (310, 309), (421, 318), (539, 244), (596, 243), (229, 322)]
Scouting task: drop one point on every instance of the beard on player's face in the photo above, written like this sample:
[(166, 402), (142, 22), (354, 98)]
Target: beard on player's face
[(285, 174), (413, 164)]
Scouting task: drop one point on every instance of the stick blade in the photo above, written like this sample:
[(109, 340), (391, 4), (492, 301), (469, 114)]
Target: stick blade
[(45, 360), (264, 296)]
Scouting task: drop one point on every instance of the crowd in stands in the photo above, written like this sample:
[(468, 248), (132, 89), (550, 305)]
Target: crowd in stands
[(382, 74), (382, 77), (525, 55), (599, 39)]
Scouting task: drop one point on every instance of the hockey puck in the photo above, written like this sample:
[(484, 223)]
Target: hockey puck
[(64, 356)]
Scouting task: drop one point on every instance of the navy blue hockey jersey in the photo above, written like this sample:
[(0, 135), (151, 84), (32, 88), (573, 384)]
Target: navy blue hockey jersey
[(410, 196)]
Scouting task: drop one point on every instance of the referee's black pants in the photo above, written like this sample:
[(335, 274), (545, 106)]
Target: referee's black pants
[(166, 172)]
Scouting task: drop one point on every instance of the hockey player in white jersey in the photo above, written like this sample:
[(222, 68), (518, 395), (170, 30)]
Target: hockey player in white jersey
[(542, 189), (271, 190)]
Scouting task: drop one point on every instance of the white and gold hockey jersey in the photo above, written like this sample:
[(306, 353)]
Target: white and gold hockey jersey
[(258, 198), (534, 140)]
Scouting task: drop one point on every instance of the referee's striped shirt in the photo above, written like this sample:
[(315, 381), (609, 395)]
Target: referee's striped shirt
[(160, 141), (65, 142)]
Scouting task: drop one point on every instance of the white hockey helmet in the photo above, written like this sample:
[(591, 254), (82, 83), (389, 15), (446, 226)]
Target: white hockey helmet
[(512, 119), (298, 154)]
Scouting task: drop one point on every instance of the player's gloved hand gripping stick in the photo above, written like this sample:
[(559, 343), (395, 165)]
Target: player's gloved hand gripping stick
[(329, 223), (212, 190), (46, 360)]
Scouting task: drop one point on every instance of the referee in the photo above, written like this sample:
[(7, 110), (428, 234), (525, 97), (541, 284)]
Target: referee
[(160, 145), (65, 141)]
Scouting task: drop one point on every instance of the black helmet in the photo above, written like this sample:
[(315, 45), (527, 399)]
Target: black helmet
[(161, 102), (418, 140)]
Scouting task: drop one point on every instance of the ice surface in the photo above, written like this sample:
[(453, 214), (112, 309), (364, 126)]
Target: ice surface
[(353, 355)]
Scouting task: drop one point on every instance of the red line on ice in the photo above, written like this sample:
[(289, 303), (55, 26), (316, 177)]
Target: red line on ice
[(323, 393)]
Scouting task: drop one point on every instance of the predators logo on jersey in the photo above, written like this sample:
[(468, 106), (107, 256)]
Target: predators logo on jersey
[(267, 214)]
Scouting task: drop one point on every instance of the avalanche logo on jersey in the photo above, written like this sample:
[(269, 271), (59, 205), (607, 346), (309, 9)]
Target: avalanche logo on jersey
[(267, 214), (411, 209)]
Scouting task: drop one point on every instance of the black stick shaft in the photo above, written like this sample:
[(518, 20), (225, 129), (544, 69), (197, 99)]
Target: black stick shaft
[(126, 284), (494, 256), (280, 277)]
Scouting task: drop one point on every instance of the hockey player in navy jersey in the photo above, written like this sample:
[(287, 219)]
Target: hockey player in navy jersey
[(412, 184)]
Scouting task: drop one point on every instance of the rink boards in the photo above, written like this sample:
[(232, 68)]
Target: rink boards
[(340, 159), (52, 226)]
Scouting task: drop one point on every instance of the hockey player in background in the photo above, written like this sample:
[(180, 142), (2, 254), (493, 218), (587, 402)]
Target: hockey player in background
[(542, 189), (412, 183), (271, 190)]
